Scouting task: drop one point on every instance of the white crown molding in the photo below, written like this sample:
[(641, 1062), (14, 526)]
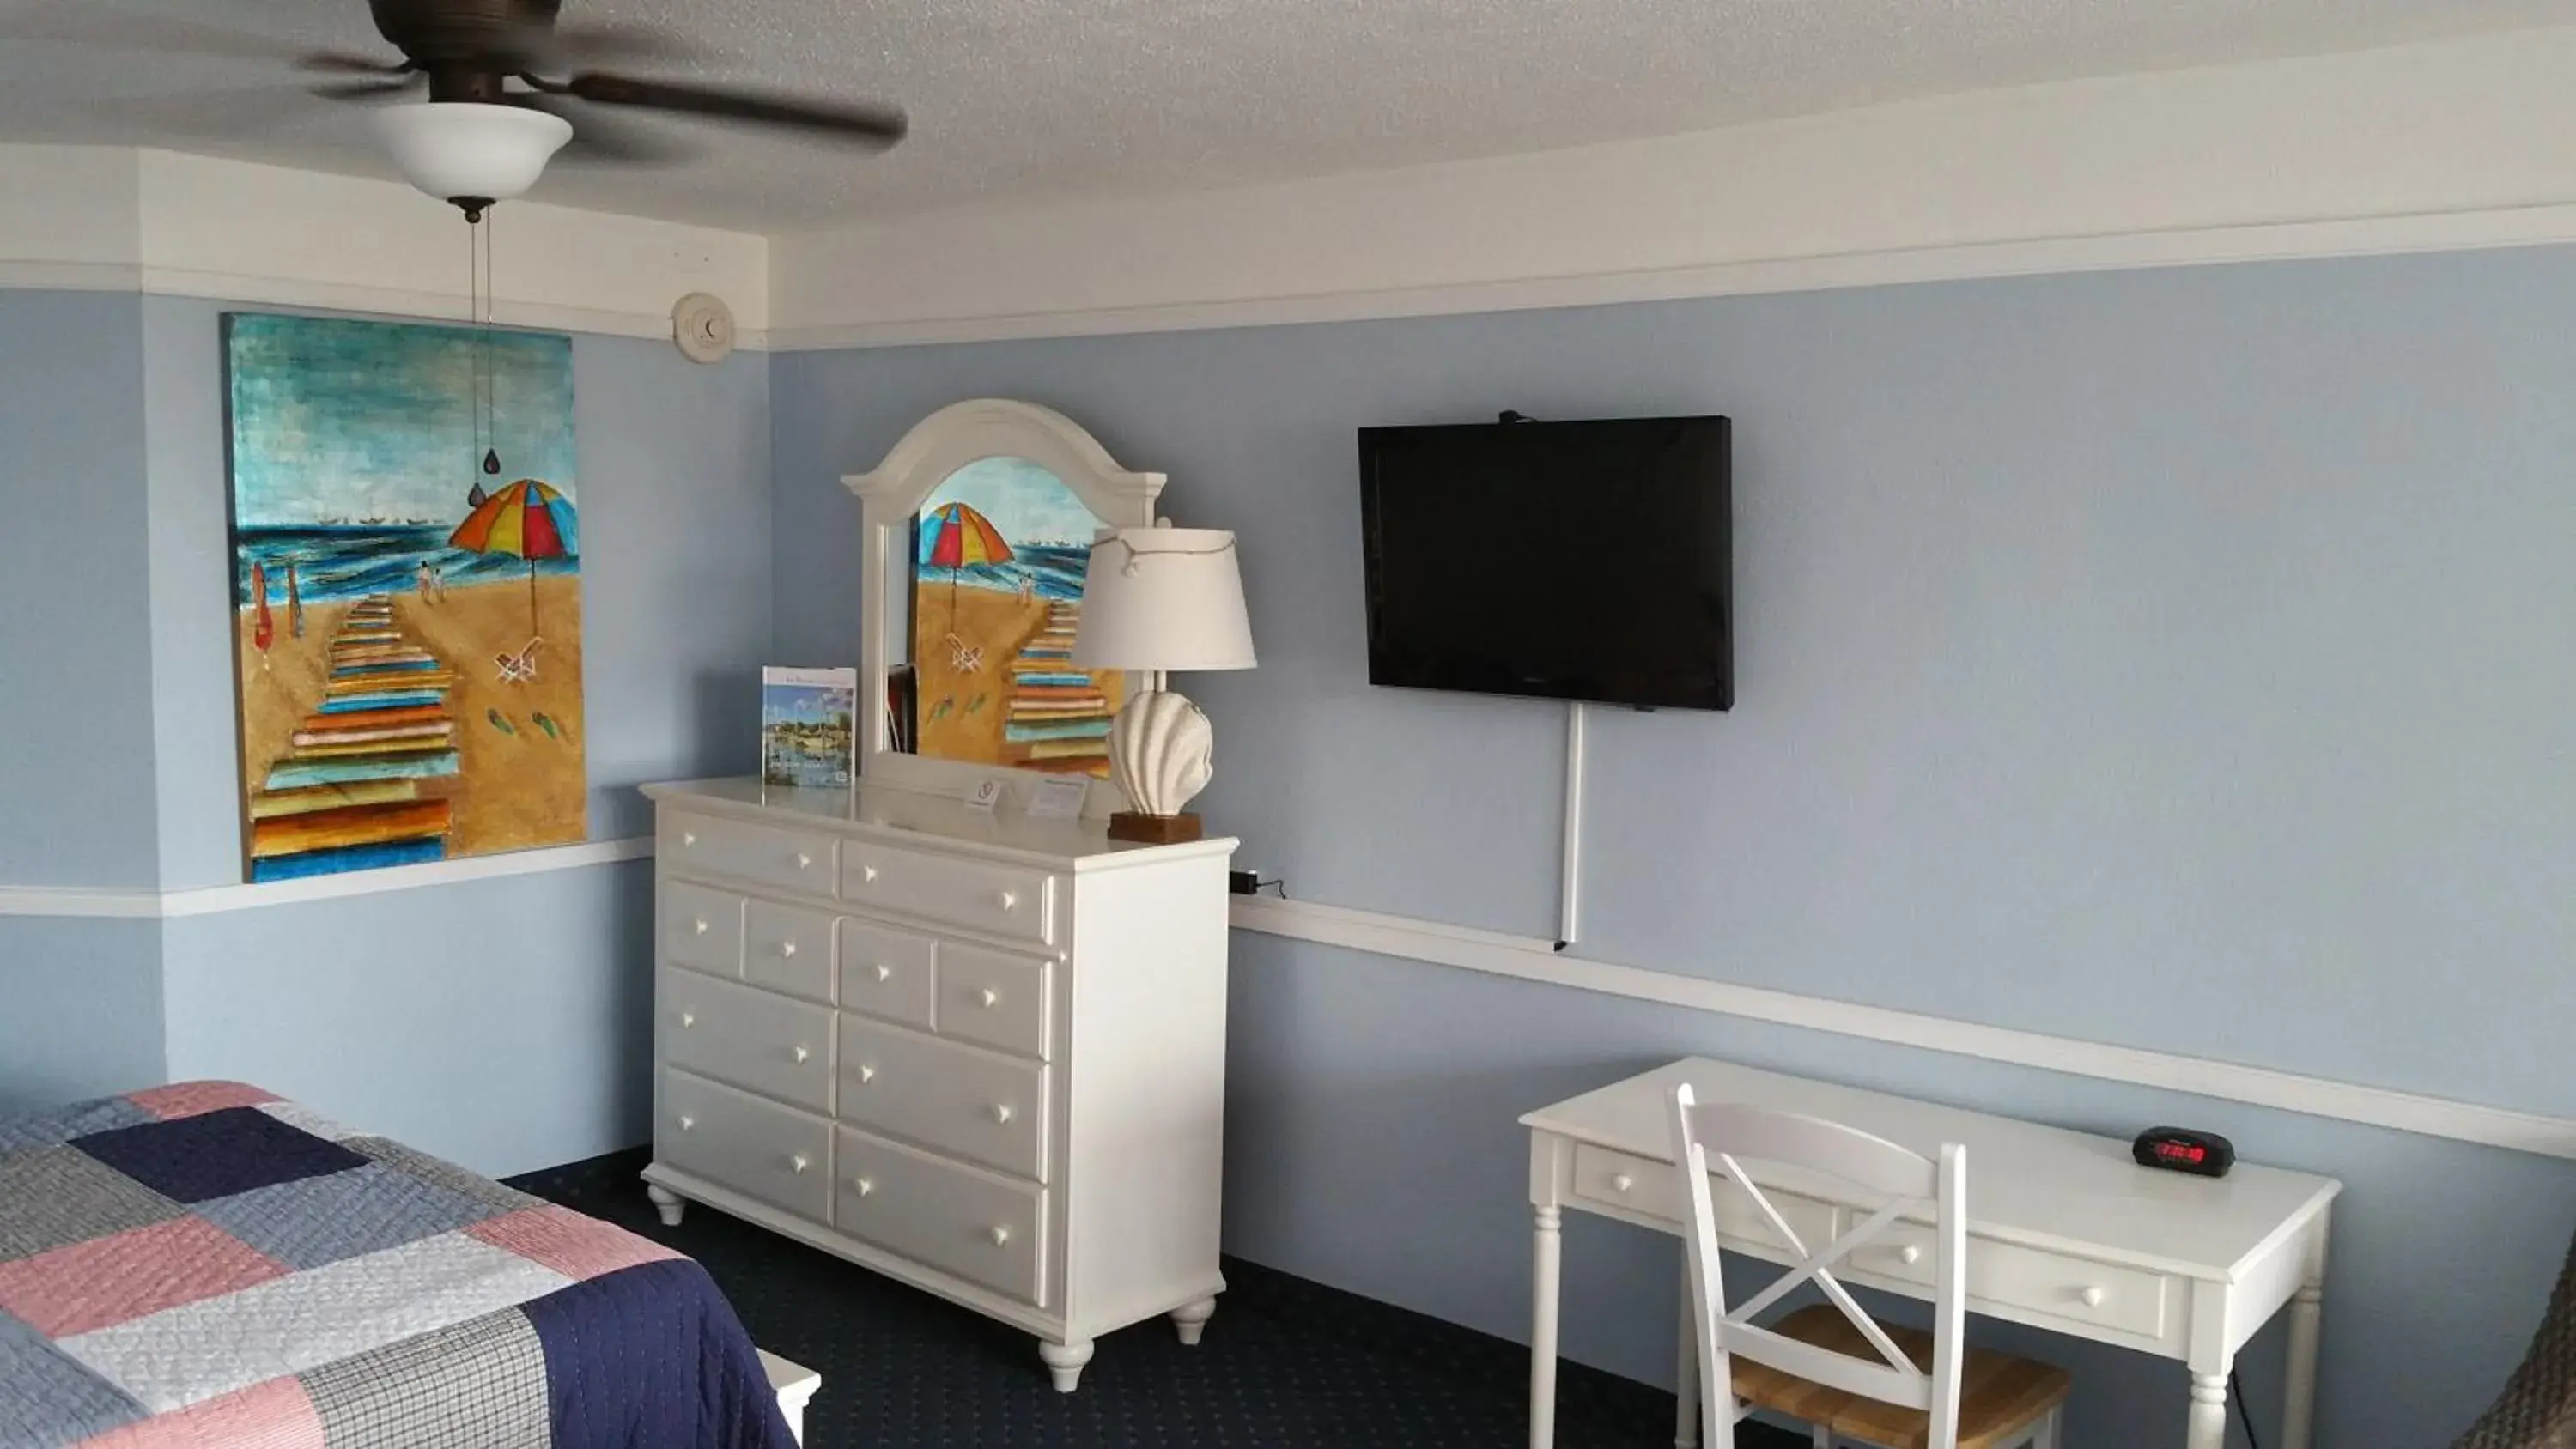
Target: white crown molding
[(1526, 958), (2426, 147), (166, 224), (143, 903)]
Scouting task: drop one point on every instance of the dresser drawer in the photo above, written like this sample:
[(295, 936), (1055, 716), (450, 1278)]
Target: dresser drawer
[(702, 928), (956, 1099), (788, 950), (951, 1218), (1002, 900), (887, 972), (795, 860), (2028, 1280), (1643, 1185), (748, 1037), (740, 1141), (999, 1000)]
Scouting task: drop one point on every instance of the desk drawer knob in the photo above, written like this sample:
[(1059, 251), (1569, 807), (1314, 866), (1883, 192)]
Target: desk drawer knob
[(867, 1074), (2092, 1297), (786, 948), (798, 1163), (863, 1185), (701, 924), (1622, 1182), (1909, 1254), (688, 838), (803, 860), (1009, 901), (1001, 1236), (1001, 1112), (991, 998), (867, 872), (884, 972), (688, 1019), (802, 1056)]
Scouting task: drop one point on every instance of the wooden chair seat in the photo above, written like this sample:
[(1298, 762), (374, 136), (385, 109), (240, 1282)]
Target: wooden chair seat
[(2000, 1396)]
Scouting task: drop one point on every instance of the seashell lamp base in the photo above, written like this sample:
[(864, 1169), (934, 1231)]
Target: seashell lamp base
[(1155, 829), (1160, 754)]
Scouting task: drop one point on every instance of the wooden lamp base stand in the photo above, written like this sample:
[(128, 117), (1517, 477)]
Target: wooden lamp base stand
[(1154, 829)]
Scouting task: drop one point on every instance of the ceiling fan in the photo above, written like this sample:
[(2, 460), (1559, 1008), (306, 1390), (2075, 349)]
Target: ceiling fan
[(506, 85)]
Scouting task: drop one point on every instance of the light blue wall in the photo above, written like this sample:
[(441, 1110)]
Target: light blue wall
[(2172, 658), (80, 1009), (76, 765)]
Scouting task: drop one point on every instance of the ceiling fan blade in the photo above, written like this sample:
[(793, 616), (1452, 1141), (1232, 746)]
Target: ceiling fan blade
[(596, 137), (73, 22), (340, 62), (361, 90), (871, 125)]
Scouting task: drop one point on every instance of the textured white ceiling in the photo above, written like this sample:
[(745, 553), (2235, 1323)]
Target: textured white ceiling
[(1037, 99)]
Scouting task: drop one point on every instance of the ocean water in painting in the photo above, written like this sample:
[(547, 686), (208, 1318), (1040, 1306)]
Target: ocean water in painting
[(406, 592)]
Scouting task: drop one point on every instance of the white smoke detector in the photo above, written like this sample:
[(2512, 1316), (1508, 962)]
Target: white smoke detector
[(703, 326)]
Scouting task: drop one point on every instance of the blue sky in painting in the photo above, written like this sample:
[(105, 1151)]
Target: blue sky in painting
[(1026, 502), (335, 419)]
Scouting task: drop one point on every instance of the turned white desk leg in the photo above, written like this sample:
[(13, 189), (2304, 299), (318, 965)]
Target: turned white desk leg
[(2307, 1306), (666, 1202), (1686, 1385), (2208, 1412), (1190, 1320), (1545, 1249), (1064, 1362)]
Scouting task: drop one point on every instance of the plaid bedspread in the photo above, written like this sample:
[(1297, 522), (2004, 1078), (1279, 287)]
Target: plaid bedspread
[(205, 1264)]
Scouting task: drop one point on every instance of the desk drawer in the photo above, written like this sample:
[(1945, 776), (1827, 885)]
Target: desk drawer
[(956, 1099), (748, 1037), (702, 928), (788, 950), (2130, 1300), (952, 1218), (887, 973), (1005, 901), (1643, 1185), (740, 1141), (999, 1000), (793, 860)]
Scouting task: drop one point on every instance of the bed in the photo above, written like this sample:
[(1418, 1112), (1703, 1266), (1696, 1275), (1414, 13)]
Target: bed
[(207, 1264)]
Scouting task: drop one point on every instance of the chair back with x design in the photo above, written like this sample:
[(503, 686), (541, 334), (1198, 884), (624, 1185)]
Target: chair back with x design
[(1719, 1138)]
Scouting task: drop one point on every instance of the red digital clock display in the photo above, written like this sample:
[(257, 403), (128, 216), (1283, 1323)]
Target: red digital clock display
[(2184, 1150)]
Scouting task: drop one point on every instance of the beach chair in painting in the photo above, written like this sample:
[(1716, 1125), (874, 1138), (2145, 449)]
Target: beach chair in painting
[(521, 667), (963, 657)]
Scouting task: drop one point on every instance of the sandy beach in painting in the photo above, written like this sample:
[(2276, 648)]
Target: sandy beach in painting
[(516, 786)]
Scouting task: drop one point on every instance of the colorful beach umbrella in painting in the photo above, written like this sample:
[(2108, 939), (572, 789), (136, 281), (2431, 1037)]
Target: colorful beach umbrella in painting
[(954, 536), (526, 520)]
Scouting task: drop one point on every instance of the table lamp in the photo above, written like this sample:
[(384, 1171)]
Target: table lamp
[(1156, 600)]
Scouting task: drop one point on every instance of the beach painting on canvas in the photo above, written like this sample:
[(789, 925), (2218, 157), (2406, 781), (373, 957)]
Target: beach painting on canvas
[(999, 552), (406, 592)]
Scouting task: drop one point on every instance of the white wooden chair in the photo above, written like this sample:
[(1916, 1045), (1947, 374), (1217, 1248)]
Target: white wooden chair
[(1830, 1364)]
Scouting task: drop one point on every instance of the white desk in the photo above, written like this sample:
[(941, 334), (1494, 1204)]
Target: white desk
[(2065, 1231)]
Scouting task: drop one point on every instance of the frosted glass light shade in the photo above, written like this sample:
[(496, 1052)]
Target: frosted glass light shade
[(1163, 598), (456, 149)]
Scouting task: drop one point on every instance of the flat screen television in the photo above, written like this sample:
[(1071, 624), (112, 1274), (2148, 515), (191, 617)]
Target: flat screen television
[(1575, 560)]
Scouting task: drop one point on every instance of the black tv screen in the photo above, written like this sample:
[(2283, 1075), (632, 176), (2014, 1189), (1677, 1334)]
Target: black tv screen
[(1577, 560)]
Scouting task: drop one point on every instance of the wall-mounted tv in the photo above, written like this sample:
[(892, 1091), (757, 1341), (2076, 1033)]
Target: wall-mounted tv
[(1567, 560)]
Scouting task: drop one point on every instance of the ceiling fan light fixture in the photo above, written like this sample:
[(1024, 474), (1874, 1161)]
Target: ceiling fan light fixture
[(468, 150)]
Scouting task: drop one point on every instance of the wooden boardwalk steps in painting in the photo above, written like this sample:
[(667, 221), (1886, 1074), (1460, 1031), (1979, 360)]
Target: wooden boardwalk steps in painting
[(349, 791), (1059, 719)]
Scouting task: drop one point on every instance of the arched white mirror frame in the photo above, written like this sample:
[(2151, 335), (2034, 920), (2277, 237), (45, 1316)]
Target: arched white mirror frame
[(891, 495)]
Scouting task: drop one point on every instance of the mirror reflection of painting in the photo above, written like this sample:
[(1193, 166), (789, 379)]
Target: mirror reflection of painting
[(999, 550)]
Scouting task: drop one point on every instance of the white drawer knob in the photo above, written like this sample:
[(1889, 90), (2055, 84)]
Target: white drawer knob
[(702, 925), (863, 1185), (1001, 1112), (803, 860), (688, 837), (1009, 901), (1001, 1236), (1622, 1183), (884, 972), (688, 1019), (798, 1162), (1909, 1254), (786, 948), (688, 1124), (991, 997), (867, 872), (802, 1055), (867, 1074), (2092, 1297)]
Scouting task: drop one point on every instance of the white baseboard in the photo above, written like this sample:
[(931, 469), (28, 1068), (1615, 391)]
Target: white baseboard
[(1528, 958)]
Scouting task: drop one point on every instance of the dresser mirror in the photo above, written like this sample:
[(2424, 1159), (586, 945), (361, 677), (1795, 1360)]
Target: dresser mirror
[(975, 532)]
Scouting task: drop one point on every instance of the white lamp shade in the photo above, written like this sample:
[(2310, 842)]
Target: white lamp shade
[(1163, 598), (469, 148)]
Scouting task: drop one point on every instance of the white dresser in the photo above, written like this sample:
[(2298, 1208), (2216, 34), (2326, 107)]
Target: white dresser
[(982, 1054)]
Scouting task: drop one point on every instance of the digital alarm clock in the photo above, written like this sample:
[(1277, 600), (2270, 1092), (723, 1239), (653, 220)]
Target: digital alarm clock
[(2183, 1150)]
